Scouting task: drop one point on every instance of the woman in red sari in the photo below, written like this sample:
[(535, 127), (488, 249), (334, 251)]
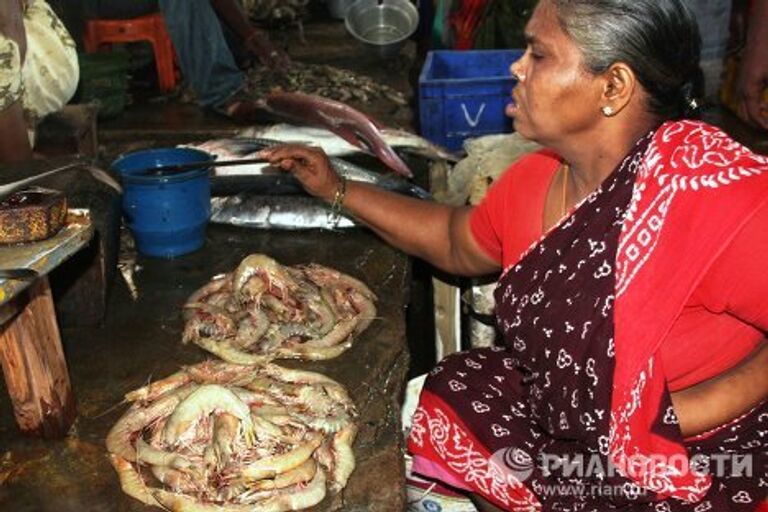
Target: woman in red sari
[(633, 373)]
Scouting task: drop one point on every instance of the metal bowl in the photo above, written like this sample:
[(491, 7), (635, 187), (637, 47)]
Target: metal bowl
[(382, 26)]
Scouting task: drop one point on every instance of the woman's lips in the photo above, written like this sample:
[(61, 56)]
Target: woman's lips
[(511, 108)]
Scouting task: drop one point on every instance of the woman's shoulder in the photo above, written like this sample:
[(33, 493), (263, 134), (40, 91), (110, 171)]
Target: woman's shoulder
[(695, 154), (696, 148)]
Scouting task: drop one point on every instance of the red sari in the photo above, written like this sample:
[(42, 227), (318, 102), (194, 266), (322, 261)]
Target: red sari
[(578, 384)]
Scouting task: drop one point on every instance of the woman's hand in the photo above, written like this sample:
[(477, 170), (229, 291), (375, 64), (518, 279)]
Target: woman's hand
[(437, 233), (310, 166), (256, 42), (259, 45)]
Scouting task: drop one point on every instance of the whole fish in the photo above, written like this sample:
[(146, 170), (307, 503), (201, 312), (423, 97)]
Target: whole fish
[(276, 212), (352, 125), (334, 145), (265, 179)]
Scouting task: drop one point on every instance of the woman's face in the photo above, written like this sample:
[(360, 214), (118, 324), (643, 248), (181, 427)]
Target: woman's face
[(555, 97)]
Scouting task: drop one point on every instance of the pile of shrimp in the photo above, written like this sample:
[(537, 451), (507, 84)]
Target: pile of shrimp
[(234, 438), (263, 310)]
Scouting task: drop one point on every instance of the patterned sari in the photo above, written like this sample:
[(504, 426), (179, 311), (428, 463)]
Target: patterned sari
[(573, 412)]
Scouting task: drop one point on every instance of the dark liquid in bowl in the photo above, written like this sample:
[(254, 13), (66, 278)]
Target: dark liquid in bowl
[(22, 199)]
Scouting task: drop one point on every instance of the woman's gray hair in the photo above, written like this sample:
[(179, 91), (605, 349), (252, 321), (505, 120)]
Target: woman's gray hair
[(658, 39)]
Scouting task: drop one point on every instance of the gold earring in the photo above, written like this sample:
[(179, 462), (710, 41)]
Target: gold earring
[(607, 111)]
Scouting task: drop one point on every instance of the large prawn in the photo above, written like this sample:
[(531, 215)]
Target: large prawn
[(258, 274), (200, 449)]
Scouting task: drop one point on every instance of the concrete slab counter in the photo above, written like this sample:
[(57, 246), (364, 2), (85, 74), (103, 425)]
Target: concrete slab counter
[(139, 341)]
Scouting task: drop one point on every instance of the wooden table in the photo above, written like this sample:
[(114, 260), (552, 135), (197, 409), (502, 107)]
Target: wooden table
[(31, 354)]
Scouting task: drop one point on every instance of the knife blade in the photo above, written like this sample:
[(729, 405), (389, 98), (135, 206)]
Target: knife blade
[(18, 273)]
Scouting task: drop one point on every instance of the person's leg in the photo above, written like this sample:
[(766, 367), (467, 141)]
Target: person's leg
[(205, 59)]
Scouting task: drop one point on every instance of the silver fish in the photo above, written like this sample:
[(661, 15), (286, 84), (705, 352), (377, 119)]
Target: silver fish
[(265, 179), (276, 212), (334, 145)]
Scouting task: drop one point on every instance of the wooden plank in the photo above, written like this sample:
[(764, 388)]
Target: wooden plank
[(45, 255), (445, 296), (33, 363), (447, 305)]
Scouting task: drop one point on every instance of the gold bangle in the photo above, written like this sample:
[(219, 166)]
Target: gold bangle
[(338, 201)]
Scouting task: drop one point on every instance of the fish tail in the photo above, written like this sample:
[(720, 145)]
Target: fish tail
[(357, 128), (386, 154)]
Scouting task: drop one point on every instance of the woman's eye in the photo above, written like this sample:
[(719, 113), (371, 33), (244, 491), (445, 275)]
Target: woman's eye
[(533, 53)]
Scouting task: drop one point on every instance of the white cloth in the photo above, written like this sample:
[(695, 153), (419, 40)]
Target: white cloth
[(47, 78), (50, 72), (10, 74)]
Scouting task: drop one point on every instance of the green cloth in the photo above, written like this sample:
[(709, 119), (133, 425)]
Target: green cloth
[(441, 34)]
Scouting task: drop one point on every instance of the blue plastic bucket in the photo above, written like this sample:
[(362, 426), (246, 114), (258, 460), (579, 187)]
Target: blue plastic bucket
[(167, 215)]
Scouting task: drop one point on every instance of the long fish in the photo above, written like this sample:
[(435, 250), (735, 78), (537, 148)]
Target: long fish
[(265, 179), (334, 145), (352, 125), (276, 212)]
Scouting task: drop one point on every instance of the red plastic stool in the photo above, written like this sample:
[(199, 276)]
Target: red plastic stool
[(144, 28)]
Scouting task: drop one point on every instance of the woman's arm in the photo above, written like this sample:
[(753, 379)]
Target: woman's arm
[(12, 24), (736, 285), (436, 233), (14, 141), (721, 399)]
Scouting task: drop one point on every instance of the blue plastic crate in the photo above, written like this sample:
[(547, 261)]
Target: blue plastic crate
[(463, 94)]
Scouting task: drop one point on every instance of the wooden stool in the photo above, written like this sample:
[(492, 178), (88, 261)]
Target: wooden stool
[(144, 28), (31, 353), (34, 365)]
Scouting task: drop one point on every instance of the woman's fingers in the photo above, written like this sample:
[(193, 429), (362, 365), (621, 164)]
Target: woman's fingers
[(310, 165), (294, 152)]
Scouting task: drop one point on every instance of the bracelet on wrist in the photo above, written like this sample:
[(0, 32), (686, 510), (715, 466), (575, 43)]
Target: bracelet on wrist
[(338, 200)]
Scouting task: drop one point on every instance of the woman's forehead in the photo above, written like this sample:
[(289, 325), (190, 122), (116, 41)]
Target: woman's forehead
[(544, 26)]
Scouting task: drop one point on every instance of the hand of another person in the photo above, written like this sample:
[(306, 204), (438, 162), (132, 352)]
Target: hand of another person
[(752, 81), (750, 87), (259, 45), (310, 165)]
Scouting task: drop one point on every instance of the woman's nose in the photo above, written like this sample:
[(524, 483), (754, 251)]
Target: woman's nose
[(516, 71)]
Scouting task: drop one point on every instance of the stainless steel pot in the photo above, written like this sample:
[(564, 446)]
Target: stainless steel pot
[(382, 26)]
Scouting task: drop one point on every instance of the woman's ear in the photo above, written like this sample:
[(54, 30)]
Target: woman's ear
[(620, 87)]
